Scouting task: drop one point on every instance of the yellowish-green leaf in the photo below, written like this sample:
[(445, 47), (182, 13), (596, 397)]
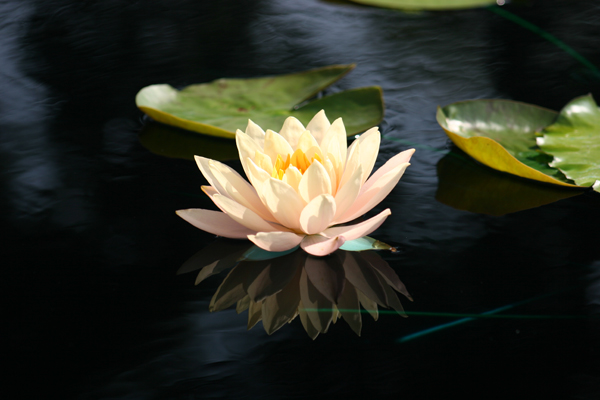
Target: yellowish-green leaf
[(427, 4), (220, 107), (501, 135)]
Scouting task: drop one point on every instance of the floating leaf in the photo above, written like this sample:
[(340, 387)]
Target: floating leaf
[(574, 141), (220, 107), (427, 4), (466, 185), (501, 135), (365, 243)]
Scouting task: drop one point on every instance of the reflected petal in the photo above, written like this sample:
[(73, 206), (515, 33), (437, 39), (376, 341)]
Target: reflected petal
[(327, 275)]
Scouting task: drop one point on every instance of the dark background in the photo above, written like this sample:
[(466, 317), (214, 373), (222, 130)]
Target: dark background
[(91, 243)]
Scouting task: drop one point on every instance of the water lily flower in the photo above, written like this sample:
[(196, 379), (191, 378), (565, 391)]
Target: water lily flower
[(304, 183)]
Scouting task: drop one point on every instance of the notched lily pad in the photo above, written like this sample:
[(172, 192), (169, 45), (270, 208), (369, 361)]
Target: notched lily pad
[(574, 141), (220, 107), (502, 135), (427, 4)]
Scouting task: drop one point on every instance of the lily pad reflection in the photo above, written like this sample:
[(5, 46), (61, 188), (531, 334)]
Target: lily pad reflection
[(467, 185), (319, 290), (168, 141)]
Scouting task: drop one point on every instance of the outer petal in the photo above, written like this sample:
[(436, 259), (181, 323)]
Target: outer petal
[(275, 144), (291, 131), (318, 126), (369, 148), (352, 163), (247, 148), (314, 182), (317, 214), (318, 245), (356, 231), (390, 164), (276, 241), (368, 199), (237, 188), (283, 202), (256, 175), (215, 222), (347, 194), (243, 215), (335, 141), (256, 133)]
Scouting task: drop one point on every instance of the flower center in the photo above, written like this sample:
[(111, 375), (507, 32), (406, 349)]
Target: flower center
[(298, 160)]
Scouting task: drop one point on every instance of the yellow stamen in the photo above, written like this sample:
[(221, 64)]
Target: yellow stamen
[(298, 160)]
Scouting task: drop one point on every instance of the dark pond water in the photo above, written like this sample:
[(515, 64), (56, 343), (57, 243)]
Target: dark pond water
[(91, 244)]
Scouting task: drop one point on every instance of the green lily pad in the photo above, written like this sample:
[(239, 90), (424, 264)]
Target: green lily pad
[(467, 185), (220, 107), (169, 141), (427, 4), (502, 135), (574, 142)]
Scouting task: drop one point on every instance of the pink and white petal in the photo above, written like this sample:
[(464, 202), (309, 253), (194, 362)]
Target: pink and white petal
[(367, 199), (256, 175), (314, 182), (238, 189), (320, 246), (247, 148), (352, 163), (318, 126), (291, 131), (243, 215), (318, 214), (332, 175), (283, 202), (306, 141), (335, 141), (203, 165), (292, 177), (390, 164), (359, 230), (276, 241), (275, 144), (256, 133), (347, 194), (369, 148), (215, 222)]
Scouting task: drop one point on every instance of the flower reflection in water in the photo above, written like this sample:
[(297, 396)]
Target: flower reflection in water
[(278, 287)]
